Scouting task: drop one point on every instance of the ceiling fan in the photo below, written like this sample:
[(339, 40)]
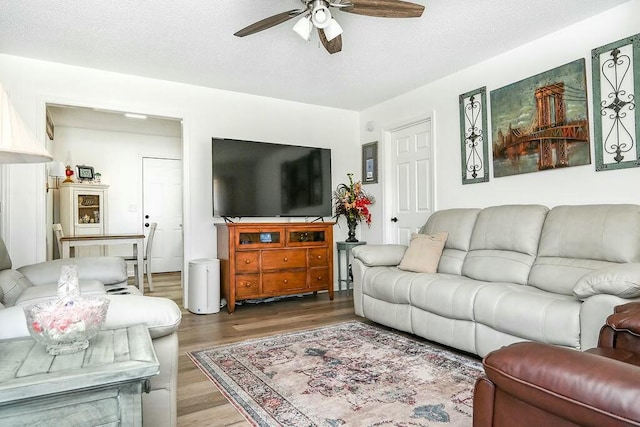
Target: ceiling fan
[(317, 13)]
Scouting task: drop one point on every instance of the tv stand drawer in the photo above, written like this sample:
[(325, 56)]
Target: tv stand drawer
[(278, 282), (248, 261), (284, 259), (248, 285)]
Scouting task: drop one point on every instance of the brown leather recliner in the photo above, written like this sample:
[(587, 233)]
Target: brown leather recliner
[(534, 384)]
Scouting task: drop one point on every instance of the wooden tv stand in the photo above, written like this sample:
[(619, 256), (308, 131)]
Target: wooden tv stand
[(261, 260)]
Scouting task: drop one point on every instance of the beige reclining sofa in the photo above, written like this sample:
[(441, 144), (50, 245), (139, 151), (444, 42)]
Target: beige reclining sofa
[(507, 274)]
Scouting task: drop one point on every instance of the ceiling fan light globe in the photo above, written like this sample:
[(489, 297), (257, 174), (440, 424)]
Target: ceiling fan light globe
[(303, 28), (321, 16), (333, 30)]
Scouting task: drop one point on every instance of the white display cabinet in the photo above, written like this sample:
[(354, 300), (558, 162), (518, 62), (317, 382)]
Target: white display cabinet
[(83, 212)]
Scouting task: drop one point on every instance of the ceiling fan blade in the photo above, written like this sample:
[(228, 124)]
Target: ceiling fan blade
[(385, 8), (333, 46), (269, 22)]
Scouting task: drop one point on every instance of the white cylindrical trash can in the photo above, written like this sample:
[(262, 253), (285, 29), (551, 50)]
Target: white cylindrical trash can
[(203, 295)]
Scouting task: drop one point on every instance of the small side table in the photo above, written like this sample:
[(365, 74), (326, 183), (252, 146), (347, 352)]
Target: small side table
[(346, 248), (101, 385)]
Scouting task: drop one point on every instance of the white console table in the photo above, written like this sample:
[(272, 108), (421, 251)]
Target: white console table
[(99, 386)]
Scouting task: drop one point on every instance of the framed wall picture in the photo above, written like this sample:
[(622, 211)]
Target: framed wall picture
[(616, 85), (542, 122), (370, 163), (85, 173), (473, 133)]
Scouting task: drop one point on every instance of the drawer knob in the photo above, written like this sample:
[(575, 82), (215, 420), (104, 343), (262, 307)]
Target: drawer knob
[(319, 256), (286, 259), (319, 277), (247, 285), (246, 261)]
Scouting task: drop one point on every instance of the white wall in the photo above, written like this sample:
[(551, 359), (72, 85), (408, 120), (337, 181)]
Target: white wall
[(118, 158), (574, 185), (205, 113)]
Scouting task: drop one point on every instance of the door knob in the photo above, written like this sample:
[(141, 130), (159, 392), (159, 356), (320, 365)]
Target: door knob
[(146, 224), (394, 219)]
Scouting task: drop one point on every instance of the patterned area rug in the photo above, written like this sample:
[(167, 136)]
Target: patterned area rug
[(349, 374)]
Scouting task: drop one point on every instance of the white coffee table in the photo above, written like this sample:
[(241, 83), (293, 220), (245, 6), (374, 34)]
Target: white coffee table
[(101, 385)]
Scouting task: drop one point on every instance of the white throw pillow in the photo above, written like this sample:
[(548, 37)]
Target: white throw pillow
[(423, 254), (621, 280)]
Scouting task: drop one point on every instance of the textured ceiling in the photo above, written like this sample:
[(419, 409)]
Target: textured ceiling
[(192, 41)]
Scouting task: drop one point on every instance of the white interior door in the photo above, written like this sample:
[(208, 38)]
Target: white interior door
[(162, 203), (412, 186)]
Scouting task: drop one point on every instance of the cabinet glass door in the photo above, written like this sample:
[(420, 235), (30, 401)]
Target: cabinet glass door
[(306, 237), (89, 209)]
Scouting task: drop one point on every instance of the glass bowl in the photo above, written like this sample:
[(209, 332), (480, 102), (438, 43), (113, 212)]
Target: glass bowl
[(66, 326)]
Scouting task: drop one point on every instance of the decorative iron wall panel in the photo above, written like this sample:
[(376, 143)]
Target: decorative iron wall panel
[(473, 131), (616, 83)]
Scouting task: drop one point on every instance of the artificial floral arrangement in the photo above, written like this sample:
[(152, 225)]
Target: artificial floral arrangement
[(352, 202)]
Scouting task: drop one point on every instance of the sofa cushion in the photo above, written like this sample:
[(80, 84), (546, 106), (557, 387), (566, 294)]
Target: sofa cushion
[(42, 293), (578, 239), (161, 315), (529, 313), (423, 254), (12, 285), (388, 284), (109, 270), (445, 295), (504, 243), (560, 275), (621, 280), (458, 223)]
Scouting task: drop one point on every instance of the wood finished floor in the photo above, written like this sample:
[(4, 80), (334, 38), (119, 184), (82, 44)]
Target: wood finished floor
[(199, 402)]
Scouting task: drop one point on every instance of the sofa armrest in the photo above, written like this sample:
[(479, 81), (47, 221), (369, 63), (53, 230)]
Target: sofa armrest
[(13, 323), (586, 389), (622, 329), (379, 255), (161, 315), (622, 280), (108, 270), (626, 318)]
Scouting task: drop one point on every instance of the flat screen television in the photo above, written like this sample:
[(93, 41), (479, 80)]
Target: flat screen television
[(261, 179)]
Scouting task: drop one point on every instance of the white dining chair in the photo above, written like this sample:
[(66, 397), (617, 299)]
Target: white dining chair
[(58, 233), (147, 255)]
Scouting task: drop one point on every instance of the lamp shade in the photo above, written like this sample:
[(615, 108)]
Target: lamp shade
[(333, 30), (17, 143), (56, 169), (321, 16), (303, 27)]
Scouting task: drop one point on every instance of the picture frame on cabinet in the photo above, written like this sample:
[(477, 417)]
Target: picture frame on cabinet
[(370, 163), (85, 173)]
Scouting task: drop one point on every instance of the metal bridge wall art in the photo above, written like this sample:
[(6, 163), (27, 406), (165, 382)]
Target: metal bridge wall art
[(541, 122)]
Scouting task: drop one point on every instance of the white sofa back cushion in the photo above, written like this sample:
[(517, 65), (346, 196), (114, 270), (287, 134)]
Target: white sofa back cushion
[(43, 293), (504, 243), (579, 239), (458, 223)]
